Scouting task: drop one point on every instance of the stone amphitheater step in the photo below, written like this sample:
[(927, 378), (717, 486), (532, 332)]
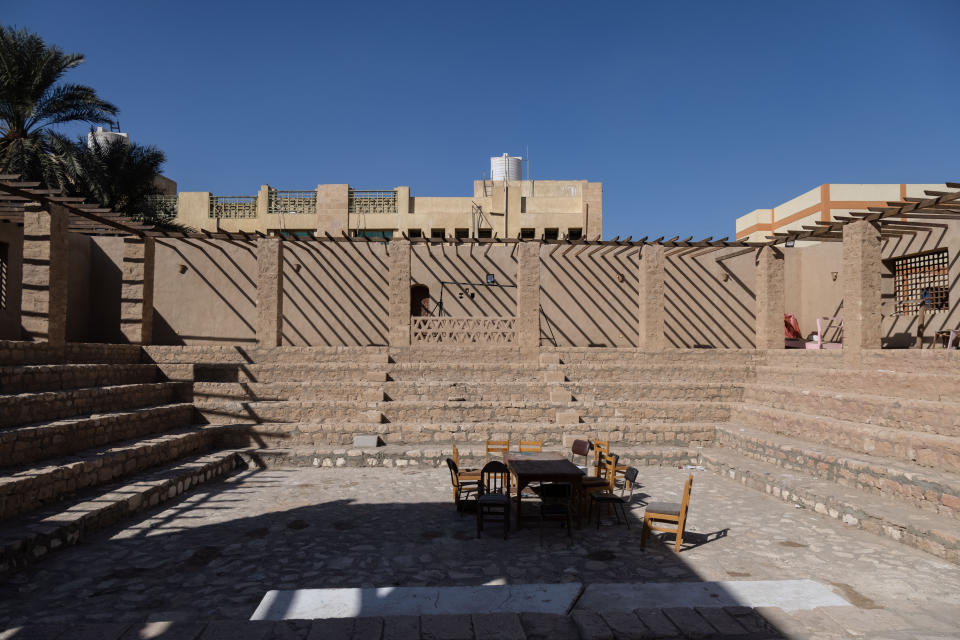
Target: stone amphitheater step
[(634, 356), (402, 455), (17, 353), (938, 417), (640, 372), (354, 372), (57, 377), (926, 489), (25, 408), (466, 391), (930, 532), (37, 441), (291, 435), (219, 411), (24, 489), (891, 383), (921, 448), (27, 538)]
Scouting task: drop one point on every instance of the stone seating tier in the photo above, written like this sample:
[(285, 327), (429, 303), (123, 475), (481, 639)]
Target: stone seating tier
[(465, 391), (88, 434), (420, 434)]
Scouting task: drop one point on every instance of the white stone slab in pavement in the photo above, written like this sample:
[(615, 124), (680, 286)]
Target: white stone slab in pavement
[(789, 595), (309, 604)]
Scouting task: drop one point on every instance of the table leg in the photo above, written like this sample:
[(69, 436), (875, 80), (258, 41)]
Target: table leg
[(521, 485)]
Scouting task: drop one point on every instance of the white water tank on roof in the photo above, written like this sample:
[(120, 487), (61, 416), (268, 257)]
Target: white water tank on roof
[(106, 137), (506, 167)]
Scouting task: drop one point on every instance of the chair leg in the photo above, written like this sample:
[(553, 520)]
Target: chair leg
[(679, 539)]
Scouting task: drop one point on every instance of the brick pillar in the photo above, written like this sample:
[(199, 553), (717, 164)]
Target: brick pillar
[(527, 327), (770, 287), (398, 259), (269, 291), (861, 272), (46, 258), (652, 311), (136, 290)]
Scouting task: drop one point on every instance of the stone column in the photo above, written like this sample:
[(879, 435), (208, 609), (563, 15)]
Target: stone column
[(861, 272), (770, 288), (136, 290), (46, 262), (652, 298), (269, 291), (527, 324), (398, 259)]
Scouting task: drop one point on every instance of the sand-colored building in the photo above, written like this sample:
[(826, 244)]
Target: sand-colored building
[(548, 209), (823, 204)]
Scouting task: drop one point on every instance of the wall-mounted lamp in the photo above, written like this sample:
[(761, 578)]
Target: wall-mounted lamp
[(491, 279), (296, 267), (725, 276), (182, 268), (619, 277), (789, 243), (833, 275)]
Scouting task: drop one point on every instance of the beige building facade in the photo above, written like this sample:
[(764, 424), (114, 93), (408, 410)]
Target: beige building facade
[(548, 209), (823, 204)]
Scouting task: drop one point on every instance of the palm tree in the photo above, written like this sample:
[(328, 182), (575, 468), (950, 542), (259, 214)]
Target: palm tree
[(117, 174), (32, 104)]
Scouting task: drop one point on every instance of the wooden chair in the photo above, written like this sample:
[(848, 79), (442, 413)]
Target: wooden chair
[(669, 512), (465, 474), (606, 497), (580, 448), (556, 505), (462, 487), (601, 447), (530, 446), (497, 447), (493, 495)]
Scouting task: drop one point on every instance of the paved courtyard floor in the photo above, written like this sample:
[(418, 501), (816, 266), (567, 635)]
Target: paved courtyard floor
[(214, 554)]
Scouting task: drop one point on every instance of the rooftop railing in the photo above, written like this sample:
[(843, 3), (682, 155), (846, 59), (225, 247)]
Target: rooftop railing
[(233, 206), (372, 201), (292, 202)]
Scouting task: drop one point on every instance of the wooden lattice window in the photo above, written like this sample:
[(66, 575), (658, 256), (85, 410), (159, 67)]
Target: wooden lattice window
[(922, 279)]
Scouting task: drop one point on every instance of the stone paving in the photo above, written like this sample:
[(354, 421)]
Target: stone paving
[(213, 554)]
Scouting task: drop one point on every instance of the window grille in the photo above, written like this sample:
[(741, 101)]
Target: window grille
[(372, 201), (292, 202), (461, 233), (574, 234), (162, 206), (233, 206), (922, 279), (528, 234)]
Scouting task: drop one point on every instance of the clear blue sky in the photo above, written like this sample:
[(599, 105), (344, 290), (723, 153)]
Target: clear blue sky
[(690, 113)]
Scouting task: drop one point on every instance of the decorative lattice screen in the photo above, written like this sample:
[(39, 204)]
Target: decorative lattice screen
[(922, 279)]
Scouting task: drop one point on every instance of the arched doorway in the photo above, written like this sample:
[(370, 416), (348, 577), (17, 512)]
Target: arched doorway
[(419, 300)]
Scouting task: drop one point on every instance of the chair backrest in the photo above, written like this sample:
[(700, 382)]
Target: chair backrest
[(600, 448), (580, 448), (497, 447), (630, 475), (530, 446), (556, 491), (494, 478), (454, 472), (685, 503), (456, 455), (610, 470)]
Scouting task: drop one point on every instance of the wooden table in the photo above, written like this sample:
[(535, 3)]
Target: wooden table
[(542, 467)]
